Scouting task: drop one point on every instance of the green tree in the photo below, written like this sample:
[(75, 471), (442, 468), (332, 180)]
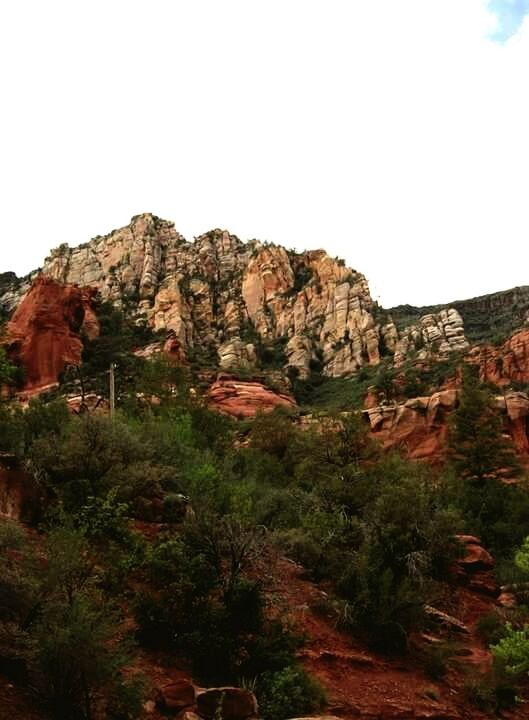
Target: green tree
[(478, 449), (512, 652), (521, 558), (8, 371)]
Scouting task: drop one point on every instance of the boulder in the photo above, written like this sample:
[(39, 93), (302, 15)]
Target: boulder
[(475, 556), (474, 568), (177, 695), (233, 703)]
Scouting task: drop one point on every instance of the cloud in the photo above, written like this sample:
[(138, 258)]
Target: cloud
[(509, 15)]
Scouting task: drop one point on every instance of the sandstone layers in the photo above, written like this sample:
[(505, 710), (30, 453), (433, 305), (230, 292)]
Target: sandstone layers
[(236, 298), (419, 426), (240, 398)]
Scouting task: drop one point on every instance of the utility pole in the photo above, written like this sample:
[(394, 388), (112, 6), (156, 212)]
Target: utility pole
[(112, 391)]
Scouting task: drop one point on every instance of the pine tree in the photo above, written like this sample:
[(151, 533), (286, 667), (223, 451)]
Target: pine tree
[(478, 448)]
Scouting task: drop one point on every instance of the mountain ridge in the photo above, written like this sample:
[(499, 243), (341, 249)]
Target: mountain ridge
[(244, 300)]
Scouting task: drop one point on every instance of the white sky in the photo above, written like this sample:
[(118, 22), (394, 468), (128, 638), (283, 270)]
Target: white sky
[(394, 133)]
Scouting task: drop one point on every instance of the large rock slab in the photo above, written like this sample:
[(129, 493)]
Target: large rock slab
[(230, 702), (240, 398)]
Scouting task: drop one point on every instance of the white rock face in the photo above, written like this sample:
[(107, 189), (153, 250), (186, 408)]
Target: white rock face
[(439, 334), (245, 301)]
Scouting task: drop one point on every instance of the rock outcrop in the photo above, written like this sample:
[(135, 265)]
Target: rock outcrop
[(231, 703), (439, 334), (44, 333), (419, 426), (245, 301), (240, 398), (474, 568), (506, 363)]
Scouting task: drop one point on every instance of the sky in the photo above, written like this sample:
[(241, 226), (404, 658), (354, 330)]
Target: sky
[(392, 133)]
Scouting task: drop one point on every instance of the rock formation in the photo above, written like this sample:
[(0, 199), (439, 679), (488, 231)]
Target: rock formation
[(475, 568), (506, 363), (240, 398), (243, 300), (442, 333), (419, 426), (181, 696), (44, 333)]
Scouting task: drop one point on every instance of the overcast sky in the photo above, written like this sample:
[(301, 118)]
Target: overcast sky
[(393, 133)]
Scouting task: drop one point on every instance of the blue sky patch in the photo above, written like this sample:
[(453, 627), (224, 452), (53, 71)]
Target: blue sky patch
[(510, 15)]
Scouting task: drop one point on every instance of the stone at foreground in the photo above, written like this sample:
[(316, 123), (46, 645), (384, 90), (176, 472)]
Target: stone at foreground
[(230, 702), (177, 695)]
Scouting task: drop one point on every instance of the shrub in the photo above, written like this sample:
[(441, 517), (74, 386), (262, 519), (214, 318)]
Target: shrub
[(288, 693), (512, 651)]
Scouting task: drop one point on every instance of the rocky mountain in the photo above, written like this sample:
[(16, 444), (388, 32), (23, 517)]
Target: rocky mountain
[(487, 317), (248, 530), (253, 304)]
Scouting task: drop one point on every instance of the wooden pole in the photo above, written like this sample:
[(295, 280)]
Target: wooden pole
[(112, 391)]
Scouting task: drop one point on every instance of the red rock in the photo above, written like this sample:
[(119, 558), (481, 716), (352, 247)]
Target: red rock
[(177, 695), (44, 334), (234, 703), (241, 398), (484, 583), (506, 363), (475, 557), (474, 569), (418, 427)]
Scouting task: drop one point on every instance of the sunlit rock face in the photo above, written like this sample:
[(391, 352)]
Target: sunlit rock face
[(243, 300), (44, 333)]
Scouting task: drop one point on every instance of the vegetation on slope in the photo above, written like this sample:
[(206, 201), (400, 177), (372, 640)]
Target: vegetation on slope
[(376, 528), (487, 318)]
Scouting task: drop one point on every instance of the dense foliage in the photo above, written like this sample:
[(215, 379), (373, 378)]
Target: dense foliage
[(218, 498)]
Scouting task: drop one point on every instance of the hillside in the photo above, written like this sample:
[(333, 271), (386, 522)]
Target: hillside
[(291, 502)]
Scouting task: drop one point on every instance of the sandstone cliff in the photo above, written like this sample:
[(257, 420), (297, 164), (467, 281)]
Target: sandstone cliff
[(419, 426), (44, 334), (247, 301)]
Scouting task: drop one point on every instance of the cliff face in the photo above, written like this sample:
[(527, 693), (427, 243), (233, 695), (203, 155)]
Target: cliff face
[(419, 426), (44, 334), (505, 363), (241, 298), (486, 317)]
